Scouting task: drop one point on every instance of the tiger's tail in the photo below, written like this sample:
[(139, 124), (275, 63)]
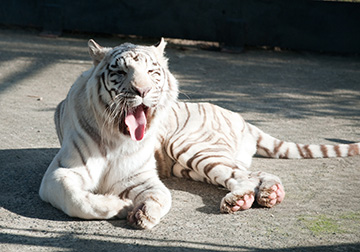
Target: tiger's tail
[(268, 146)]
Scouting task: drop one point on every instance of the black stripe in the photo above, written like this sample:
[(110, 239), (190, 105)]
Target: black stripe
[(209, 167), (103, 82), (277, 146), (190, 160), (324, 151), (222, 141), (187, 147), (100, 99), (337, 150), (171, 147), (185, 173), (143, 191), (300, 151), (82, 157), (216, 119), (177, 119), (93, 133), (353, 150), (125, 194), (116, 53), (187, 118), (183, 150), (83, 160), (205, 117), (199, 108), (58, 115), (60, 165), (232, 133), (156, 200), (207, 157), (309, 153)]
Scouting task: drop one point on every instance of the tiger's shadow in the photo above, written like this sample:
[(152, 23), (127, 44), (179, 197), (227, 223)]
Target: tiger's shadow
[(210, 195), (21, 174)]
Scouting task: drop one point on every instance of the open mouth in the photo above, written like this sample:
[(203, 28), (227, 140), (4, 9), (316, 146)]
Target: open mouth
[(136, 120)]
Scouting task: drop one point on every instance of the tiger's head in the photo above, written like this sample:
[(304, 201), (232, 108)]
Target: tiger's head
[(133, 86)]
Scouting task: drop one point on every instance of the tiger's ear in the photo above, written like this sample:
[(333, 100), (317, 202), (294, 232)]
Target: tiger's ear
[(160, 46), (97, 52)]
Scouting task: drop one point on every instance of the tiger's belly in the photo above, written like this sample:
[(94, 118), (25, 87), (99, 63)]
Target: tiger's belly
[(198, 130)]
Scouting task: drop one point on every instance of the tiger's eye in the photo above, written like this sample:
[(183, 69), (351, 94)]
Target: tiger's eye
[(121, 72)]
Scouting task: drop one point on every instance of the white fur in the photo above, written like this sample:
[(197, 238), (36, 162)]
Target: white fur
[(97, 164)]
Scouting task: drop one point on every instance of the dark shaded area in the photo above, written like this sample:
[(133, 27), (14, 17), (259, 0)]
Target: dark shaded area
[(262, 88), (340, 141), (330, 26), (21, 181), (47, 53), (73, 241), (258, 87)]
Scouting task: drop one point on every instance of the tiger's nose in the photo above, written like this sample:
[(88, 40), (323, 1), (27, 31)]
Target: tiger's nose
[(142, 91)]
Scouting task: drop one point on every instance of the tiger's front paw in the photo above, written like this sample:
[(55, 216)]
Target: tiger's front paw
[(144, 216), (234, 202)]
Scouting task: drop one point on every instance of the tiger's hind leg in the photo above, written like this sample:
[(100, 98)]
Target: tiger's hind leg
[(270, 191), (242, 191), (241, 185), (182, 172)]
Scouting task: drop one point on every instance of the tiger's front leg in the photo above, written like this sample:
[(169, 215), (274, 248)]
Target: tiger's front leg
[(151, 199), (72, 191)]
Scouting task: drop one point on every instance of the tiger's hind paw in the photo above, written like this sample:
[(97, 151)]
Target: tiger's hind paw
[(270, 196), (234, 202)]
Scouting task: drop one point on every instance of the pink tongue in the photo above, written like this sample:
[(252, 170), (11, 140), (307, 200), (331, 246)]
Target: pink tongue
[(136, 121)]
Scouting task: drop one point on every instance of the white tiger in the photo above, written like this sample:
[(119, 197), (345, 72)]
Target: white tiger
[(121, 126)]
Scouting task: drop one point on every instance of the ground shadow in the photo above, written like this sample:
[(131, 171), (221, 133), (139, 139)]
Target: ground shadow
[(22, 171), (339, 141), (211, 195), (73, 241)]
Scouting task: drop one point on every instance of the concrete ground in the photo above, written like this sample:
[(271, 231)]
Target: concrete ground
[(298, 96)]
